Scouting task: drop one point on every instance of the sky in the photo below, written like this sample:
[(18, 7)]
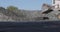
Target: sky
[(24, 4)]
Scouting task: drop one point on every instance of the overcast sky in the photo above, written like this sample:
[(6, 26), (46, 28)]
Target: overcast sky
[(24, 4)]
